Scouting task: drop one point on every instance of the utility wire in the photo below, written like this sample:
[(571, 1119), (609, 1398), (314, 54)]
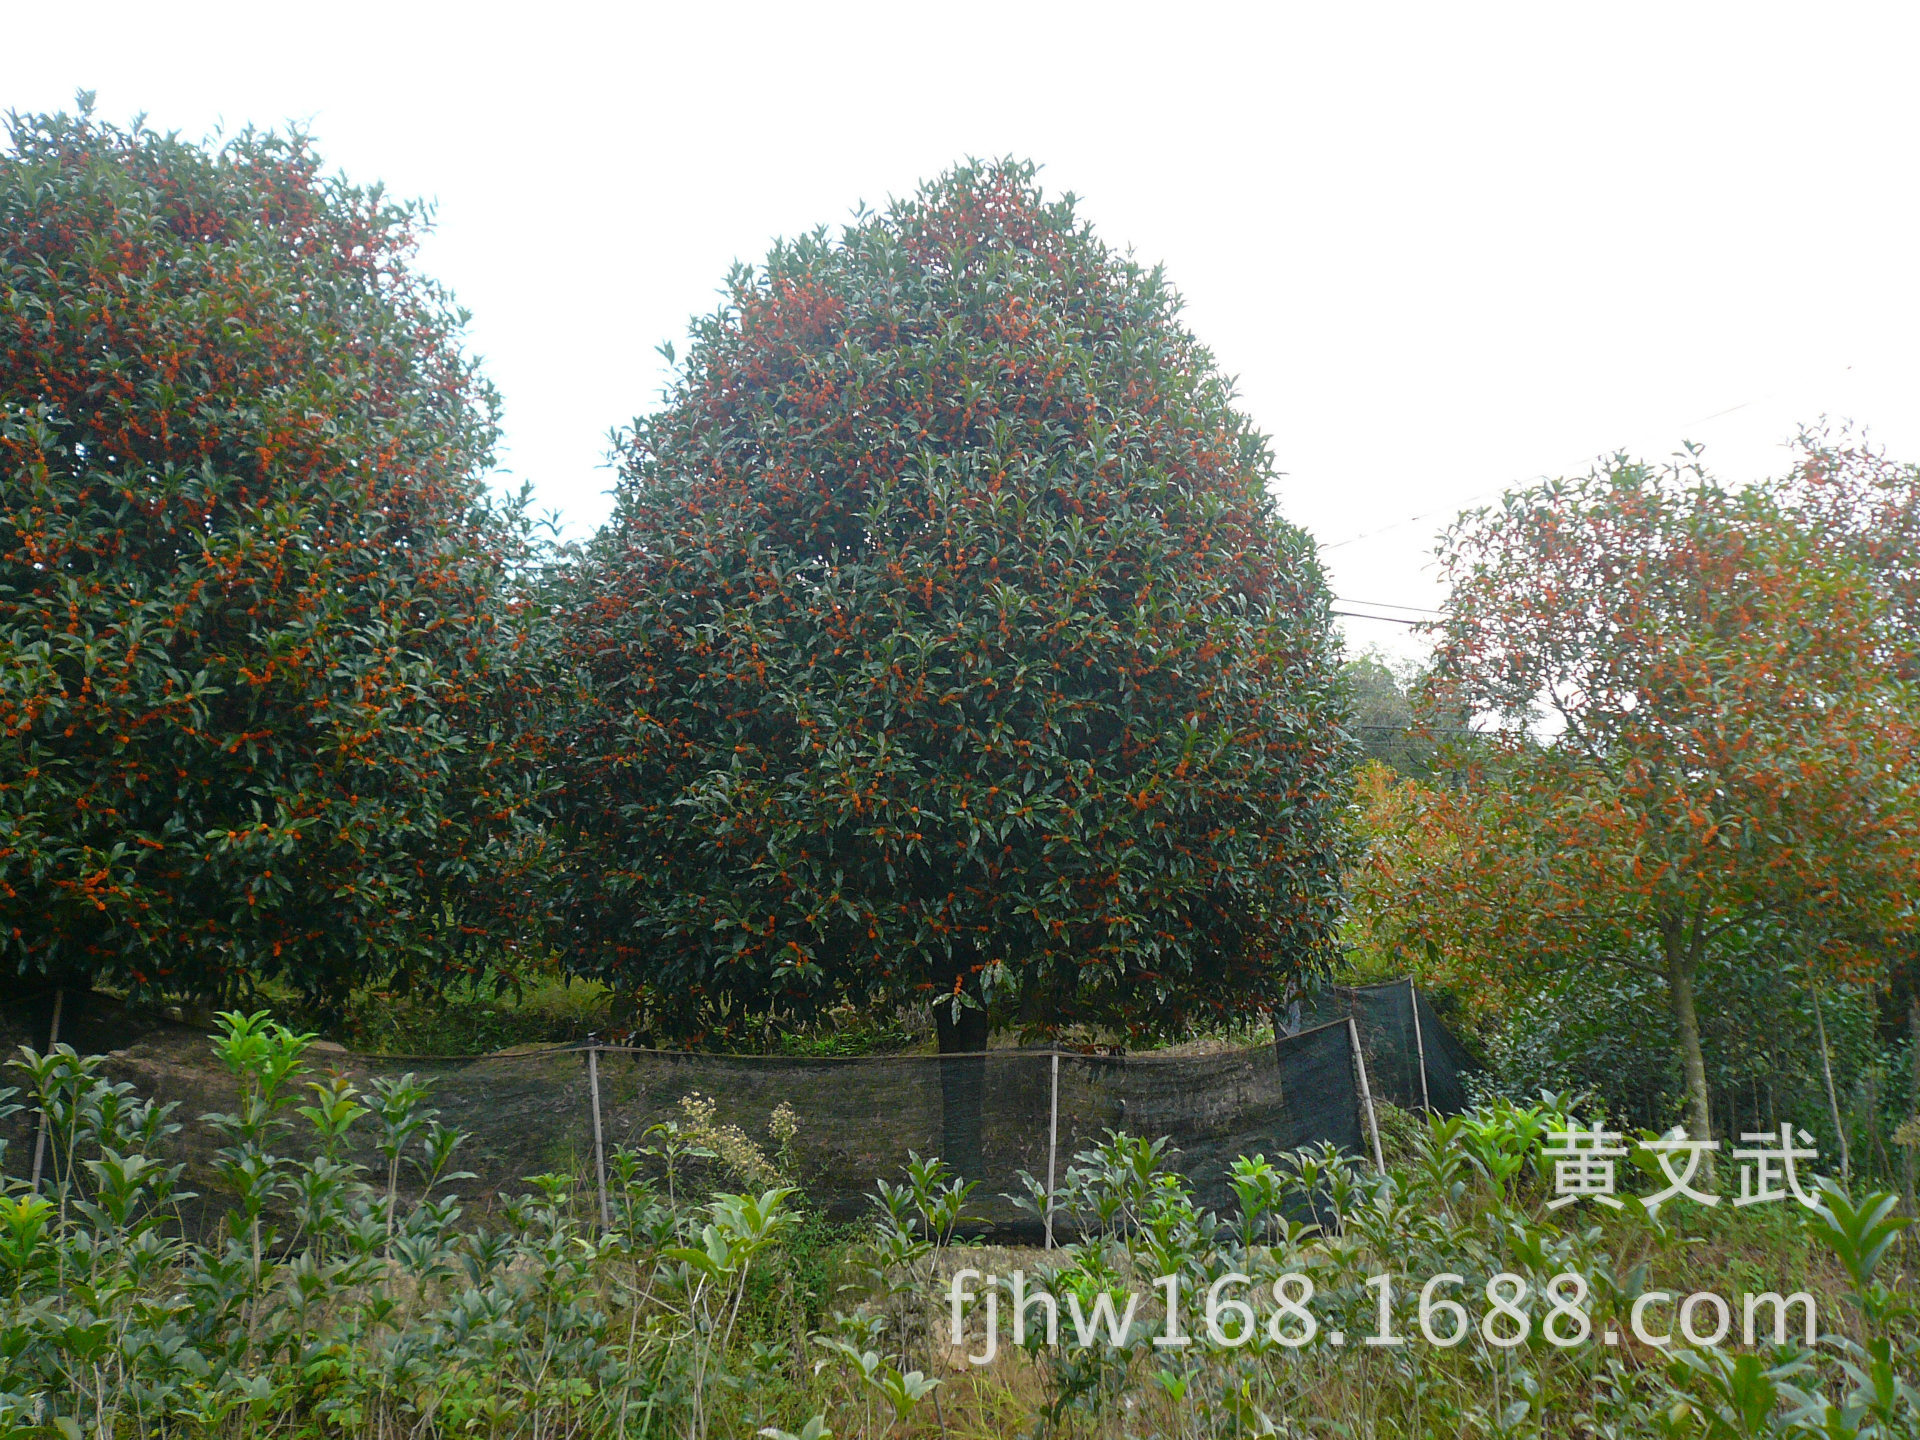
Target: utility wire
[(1385, 619), (1423, 515), (1475, 498), (1388, 605)]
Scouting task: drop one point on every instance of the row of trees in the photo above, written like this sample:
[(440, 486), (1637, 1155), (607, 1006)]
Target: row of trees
[(945, 641), (944, 645)]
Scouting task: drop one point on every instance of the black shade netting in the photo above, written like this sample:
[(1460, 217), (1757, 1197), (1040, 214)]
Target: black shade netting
[(833, 1125), (1402, 1040)]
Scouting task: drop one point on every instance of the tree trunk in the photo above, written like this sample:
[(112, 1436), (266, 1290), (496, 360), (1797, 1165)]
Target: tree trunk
[(1833, 1096), (1692, 1062), (1913, 1104), (1913, 1028), (963, 1087)]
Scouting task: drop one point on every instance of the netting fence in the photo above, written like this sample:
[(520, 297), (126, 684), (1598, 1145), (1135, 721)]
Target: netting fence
[(1412, 1058), (991, 1116)]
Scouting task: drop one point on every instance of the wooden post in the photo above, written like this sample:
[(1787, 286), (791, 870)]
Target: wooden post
[(40, 1135), (1053, 1143), (1366, 1095), (1419, 1046), (599, 1149)]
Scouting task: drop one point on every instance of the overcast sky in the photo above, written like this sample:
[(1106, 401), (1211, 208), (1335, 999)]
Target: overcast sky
[(1445, 248)]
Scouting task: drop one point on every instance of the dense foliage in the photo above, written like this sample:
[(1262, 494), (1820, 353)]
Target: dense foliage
[(1582, 1024), (1383, 714), (945, 641), (251, 589), (1702, 743)]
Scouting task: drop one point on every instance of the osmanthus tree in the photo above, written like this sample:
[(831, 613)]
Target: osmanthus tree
[(1865, 506), (253, 615), (946, 644), (1696, 725)]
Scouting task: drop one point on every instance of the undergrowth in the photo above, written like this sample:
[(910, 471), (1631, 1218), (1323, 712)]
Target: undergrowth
[(360, 1298)]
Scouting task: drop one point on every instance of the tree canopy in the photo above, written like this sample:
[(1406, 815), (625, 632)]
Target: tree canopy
[(946, 642), (251, 588), (1698, 724)]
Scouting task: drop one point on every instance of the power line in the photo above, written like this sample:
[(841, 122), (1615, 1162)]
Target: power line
[(1385, 619), (1412, 519), (1388, 605), (1478, 496)]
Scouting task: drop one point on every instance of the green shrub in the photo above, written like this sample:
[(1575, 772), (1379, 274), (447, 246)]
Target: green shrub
[(256, 630), (946, 642), (331, 1301)]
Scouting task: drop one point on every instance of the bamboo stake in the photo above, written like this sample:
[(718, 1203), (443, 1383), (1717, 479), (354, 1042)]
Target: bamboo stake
[(599, 1149), (1053, 1143), (40, 1135), (1366, 1095), (1419, 1046)]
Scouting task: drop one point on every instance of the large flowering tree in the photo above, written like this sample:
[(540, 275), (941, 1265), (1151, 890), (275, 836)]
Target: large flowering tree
[(946, 644), (1699, 731), (251, 589), (1865, 506)]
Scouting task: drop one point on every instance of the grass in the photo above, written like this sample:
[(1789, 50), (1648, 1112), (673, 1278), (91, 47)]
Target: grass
[(499, 1011), (543, 1006), (477, 1017)]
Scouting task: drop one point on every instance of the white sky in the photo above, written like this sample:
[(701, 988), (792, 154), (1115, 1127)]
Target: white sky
[(1446, 248)]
